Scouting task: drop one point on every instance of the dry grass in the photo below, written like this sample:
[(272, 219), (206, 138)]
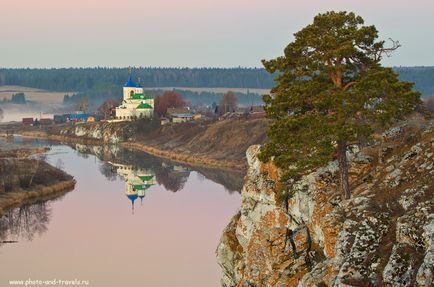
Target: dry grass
[(222, 143), (23, 179), (16, 198)]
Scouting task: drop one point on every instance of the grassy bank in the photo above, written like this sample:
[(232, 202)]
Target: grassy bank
[(19, 197), (23, 179)]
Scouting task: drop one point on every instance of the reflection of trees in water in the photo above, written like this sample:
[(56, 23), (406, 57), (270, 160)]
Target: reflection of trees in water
[(25, 221), (107, 170), (171, 180), (172, 176), (232, 180), (82, 155)]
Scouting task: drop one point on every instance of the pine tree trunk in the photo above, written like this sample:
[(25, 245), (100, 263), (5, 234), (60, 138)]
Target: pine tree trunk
[(343, 169)]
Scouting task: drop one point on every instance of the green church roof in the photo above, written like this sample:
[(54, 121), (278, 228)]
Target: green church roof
[(146, 177), (140, 97), (141, 187), (144, 106)]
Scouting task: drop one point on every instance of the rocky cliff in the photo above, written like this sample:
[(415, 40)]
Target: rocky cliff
[(309, 236), (103, 132)]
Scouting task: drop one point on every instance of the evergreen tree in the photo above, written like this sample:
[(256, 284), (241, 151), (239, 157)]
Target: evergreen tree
[(18, 98), (331, 91)]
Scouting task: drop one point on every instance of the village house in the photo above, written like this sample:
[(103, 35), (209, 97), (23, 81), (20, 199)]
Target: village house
[(180, 115), (45, 121), (78, 117), (27, 121), (182, 118), (60, 119), (164, 121)]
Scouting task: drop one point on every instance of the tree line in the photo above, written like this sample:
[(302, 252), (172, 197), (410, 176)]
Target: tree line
[(85, 79), (18, 98), (102, 81)]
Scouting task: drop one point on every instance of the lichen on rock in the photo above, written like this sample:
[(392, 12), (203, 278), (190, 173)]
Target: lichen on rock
[(382, 236)]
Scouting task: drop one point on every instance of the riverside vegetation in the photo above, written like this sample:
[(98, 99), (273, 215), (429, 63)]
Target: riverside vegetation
[(24, 179)]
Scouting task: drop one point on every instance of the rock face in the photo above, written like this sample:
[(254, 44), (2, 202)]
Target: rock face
[(308, 236), (102, 131)]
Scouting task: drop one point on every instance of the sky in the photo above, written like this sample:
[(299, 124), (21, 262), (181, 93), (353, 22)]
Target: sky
[(191, 33)]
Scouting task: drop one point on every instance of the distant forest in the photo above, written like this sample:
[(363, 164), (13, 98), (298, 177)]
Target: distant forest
[(98, 84)]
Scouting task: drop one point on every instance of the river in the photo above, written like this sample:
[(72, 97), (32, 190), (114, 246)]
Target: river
[(132, 220)]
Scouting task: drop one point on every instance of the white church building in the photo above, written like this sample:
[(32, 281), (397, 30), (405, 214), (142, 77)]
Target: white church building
[(135, 103)]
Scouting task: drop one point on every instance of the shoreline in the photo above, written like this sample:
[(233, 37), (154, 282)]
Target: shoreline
[(15, 165), (9, 200), (174, 156)]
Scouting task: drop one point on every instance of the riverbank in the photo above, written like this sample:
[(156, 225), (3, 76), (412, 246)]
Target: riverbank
[(24, 180), (20, 197), (219, 144)]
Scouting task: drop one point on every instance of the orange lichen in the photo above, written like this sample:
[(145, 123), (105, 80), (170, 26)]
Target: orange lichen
[(271, 170)]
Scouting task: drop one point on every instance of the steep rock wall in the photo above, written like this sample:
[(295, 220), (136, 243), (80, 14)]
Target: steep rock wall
[(382, 236), (103, 132)]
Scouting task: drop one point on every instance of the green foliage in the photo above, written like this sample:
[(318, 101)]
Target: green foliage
[(330, 87)]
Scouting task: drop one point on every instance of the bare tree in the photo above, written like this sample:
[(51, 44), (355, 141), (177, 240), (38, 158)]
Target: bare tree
[(83, 104), (107, 108), (39, 159), (228, 103)]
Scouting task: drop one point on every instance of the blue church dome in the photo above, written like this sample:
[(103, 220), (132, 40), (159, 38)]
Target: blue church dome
[(130, 83), (132, 197)]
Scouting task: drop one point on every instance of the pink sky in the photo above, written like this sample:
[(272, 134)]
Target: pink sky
[(222, 33)]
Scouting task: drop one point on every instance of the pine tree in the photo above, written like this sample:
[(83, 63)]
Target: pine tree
[(331, 91)]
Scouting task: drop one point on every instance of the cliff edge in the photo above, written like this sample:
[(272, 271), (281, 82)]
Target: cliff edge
[(382, 236)]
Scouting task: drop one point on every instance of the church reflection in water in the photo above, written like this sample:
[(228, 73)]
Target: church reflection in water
[(137, 181), (140, 172)]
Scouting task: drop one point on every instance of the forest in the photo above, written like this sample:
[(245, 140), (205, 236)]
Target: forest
[(98, 84)]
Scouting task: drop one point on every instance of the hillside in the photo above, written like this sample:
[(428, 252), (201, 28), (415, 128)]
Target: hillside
[(306, 235), (220, 143), (222, 140)]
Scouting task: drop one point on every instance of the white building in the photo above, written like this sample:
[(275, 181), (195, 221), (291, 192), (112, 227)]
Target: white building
[(135, 103)]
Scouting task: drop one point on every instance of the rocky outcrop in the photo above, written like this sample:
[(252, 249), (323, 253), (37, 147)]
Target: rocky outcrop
[(104, 132), (307, 235)]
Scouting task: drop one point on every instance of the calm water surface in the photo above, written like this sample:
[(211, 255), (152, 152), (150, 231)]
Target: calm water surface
[(132, 220)]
